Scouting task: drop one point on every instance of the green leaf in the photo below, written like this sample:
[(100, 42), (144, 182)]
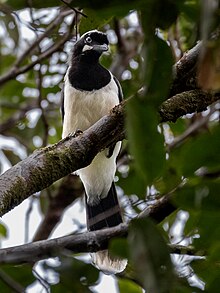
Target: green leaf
[(201, 151), (119, 247), (92, 21), (127, 286), (159, 62), (199, 195), (146, 143), (3, 231), (133, 184), (150, 256), (201, 198), (22, 275)]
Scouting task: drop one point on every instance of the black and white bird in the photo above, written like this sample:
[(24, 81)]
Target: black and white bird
[(90, 92)]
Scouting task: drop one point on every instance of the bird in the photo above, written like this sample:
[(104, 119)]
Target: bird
[(89, 92)]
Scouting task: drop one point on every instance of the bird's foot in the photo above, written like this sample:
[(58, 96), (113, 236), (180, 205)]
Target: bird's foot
[(76, 133)]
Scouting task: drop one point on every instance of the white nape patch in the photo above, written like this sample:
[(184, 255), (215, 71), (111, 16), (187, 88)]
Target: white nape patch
[(87, 48)]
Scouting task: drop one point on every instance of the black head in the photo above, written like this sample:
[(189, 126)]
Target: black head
[(90, 46)]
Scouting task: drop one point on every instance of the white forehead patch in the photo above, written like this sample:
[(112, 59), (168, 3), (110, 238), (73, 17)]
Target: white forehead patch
[(87, 48)]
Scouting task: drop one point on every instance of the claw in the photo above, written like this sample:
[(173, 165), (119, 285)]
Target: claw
[(76, 133)]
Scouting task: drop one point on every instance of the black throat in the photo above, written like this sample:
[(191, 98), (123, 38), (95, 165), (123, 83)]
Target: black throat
[(88, 76)]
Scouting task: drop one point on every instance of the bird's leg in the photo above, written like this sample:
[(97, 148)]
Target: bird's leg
[(76, 133)]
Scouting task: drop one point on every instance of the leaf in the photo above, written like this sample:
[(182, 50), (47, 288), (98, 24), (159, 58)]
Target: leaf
[(199, 195), (127, 286), (92, 21), (201, 198), (21, 274), (146, 144), (133, 184), (3, 230), (200, 151), (150, 256), (159, 70), (119, 247)]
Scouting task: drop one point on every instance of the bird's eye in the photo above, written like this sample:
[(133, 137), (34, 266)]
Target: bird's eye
[(88, 40)]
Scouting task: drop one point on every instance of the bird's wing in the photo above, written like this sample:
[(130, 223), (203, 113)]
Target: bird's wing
[(120, 97), (120, 93), (62, 102)]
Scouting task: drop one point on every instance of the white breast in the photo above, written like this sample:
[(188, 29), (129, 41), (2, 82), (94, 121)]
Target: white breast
[(83, 108)]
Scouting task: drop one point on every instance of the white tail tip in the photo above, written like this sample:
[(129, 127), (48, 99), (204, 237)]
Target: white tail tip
[(108, 264)]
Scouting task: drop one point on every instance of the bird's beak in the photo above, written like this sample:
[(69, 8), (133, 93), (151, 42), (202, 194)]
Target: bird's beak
[(100, 48)]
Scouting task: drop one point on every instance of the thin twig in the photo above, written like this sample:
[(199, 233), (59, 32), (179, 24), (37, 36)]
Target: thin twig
[(27, 219), (74, 9), (16, 70)]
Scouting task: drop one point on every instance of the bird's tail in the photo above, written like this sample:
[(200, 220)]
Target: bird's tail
[(105, 214)]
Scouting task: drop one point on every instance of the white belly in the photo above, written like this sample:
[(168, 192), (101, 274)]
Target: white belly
[(81, 110)]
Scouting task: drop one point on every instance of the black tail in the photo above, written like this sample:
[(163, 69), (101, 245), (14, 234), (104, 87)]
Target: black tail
[(106, 214)]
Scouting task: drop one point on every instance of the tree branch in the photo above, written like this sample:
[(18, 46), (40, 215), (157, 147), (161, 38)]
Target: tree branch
[(186, 103), (49, 164), (84, 242)]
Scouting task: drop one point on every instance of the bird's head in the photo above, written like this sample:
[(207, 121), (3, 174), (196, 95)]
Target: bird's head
[(90, 46)]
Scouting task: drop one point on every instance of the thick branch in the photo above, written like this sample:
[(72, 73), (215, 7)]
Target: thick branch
[(85, 242), (186, 103), (49, 164), (185, 71)]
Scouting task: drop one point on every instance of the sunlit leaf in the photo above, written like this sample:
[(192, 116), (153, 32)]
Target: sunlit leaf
[(3, 230), (127, 286)]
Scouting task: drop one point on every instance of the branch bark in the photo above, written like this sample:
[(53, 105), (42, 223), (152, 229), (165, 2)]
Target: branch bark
[(186, 103), (49, 164), (84, 242)]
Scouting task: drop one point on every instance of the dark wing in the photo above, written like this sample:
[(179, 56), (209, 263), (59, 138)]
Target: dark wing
[(120, 93), (120, 96), (62, 102)]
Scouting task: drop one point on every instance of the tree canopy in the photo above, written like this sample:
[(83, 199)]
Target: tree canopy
[(166, 56)]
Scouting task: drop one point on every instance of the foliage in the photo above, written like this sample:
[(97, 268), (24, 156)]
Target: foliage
[(146, 37)]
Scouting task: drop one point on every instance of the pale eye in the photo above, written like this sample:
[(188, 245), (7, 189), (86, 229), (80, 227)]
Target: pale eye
[(88, 40)]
